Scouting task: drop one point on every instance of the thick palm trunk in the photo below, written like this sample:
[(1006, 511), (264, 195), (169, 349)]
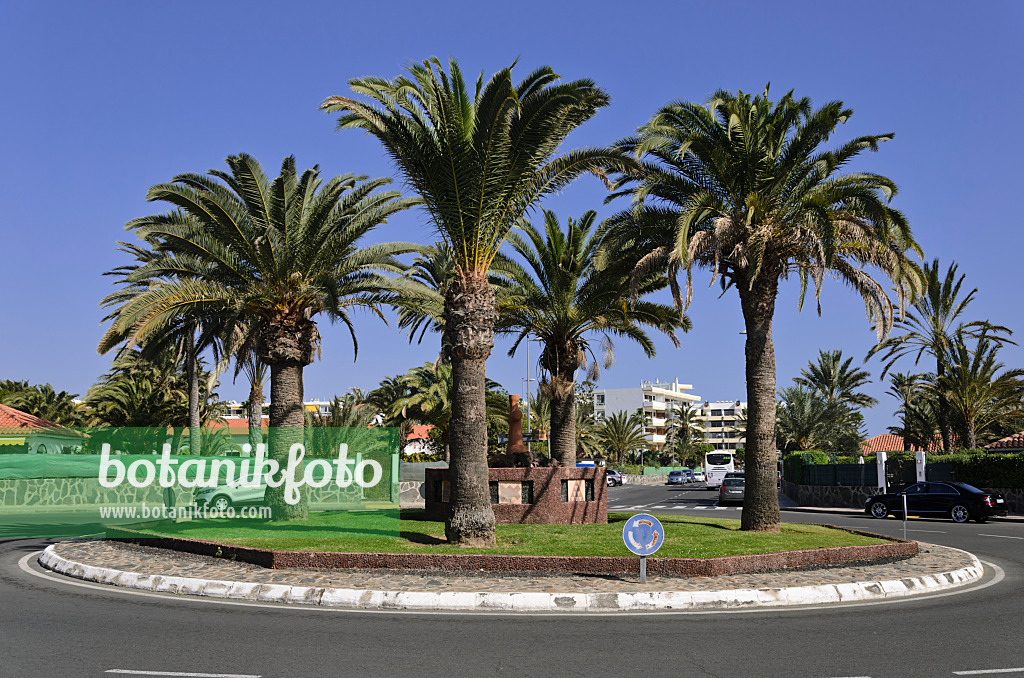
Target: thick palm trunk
[(287, 419), (468, 338), (761, 502), (286, 346), (195, 442), (563, 426)]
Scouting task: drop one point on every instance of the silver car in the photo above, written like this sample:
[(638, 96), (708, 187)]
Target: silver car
[(224, 496), (731, 490)]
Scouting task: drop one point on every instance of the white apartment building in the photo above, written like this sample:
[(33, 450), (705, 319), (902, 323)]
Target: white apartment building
[(719, 420), (657, 398)]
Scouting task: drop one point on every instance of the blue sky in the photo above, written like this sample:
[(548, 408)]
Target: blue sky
[(103, 100)]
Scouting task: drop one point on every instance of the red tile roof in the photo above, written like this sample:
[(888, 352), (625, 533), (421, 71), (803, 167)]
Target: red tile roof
[(1013, 442), (888, 442), (419, 432), (16, 421)]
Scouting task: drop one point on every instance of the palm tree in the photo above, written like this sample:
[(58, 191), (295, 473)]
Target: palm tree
[(479, 160), (42, 401), (561, 298), (684, 430), (622, 433), (806, 420), (835, 381), (242, 251), (430, 400), (742, 188), (977, 393), (930, 328), (916, 414)]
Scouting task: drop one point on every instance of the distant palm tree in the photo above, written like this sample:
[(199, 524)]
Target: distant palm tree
[(916, 411), (743, 188), (684, 430), (835, 380), (244, 251), (930, 327), (979, 393), (479, 160), (42, 401), (622, 433), (562, 298)]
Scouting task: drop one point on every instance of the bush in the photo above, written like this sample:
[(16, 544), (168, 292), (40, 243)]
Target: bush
[(421, 457), (989, 470), (628, 469)]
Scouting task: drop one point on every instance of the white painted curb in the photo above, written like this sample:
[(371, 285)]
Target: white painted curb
[(520, 602)]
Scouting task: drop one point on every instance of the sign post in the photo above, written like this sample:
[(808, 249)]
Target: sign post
[(643, 535)]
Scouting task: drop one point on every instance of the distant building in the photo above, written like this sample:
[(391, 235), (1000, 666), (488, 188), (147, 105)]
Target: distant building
[(723, 423), (1012, 443), (656, 398), (237, 410), (24, 432)]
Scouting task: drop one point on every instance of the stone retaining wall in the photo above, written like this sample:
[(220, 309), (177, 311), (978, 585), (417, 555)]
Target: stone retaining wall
[(853, 497), (575, 495)]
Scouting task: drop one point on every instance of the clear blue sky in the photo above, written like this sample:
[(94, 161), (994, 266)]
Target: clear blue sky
[(103, 100)]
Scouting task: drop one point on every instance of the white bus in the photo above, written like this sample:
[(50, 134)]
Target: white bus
[(716, 465)]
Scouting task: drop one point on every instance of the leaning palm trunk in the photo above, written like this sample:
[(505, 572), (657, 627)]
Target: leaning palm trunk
[(562, 363), (761, 503), (195, 442), (469, 310), (945, 428)]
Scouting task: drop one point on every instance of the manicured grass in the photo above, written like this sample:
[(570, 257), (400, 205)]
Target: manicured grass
[(371, 532)]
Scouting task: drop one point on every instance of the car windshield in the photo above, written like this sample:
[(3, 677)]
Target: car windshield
[(675, 473), (969, 488), (719, 459), (732, 482)]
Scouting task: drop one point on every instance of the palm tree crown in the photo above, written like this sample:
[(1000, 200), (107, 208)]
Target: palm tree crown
[(561, 298)]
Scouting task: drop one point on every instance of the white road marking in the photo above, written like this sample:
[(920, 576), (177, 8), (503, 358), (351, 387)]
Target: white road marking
[(935, 531), (987, 671), (132, 672), (1001, 536)]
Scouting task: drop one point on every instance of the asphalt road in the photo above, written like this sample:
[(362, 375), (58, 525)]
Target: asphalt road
[(51, 626)]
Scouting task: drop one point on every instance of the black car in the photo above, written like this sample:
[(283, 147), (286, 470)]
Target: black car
[(614, 477), (959, 501)]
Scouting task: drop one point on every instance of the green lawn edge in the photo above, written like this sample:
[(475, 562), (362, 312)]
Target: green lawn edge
[(386, 532)]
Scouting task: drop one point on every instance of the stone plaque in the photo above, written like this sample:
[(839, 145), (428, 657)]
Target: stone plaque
[(510, 493)]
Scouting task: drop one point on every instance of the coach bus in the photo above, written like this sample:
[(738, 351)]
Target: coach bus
[(716, 465)]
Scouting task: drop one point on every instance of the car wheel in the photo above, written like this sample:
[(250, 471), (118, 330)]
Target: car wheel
[(959, 514), (878, 509), (220, 503)]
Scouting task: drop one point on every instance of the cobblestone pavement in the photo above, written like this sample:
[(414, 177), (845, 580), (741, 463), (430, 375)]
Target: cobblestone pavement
[(147, 560)]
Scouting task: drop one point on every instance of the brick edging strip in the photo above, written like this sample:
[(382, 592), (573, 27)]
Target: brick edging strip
[(894, 550)]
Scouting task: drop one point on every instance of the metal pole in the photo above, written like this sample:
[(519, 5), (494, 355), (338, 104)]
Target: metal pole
[(643, 569), (904, 516)]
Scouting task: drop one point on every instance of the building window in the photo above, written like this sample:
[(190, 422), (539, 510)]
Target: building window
[(600, 398), (716, 413)]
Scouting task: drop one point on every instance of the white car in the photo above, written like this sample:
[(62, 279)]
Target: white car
[(698, 477), (224, 496)]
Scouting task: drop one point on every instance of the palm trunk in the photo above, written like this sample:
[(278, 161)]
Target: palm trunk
[(287, 420), (255, 414), (944, 426), (286, 345), (761, 503), (563, 427), (469, 312), (972, 439), (195, 442)]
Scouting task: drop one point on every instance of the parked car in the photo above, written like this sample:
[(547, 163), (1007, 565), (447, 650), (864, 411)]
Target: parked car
[(959, 501), (732, 489), (614, 477), (222, 497), (698, 477), (676, 478), (687, 475)]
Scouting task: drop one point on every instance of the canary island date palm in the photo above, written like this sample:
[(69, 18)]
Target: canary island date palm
[(743, 188), (560, 297), (621, 433), (479, 160), (835, 380), (241, 250), (930, 327)]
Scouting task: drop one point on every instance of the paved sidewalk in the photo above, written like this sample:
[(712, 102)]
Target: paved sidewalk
[(936, 568)]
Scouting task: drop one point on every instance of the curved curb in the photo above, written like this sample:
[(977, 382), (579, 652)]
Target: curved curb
[(519, 602)]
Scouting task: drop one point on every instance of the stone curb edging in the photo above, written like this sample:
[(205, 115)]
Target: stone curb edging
[(518, 602)]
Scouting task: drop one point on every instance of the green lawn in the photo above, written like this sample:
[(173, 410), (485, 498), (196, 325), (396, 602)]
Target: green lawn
[(375, 532)]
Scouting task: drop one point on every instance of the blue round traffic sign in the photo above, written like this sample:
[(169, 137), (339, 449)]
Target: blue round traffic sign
[(643, 534)]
